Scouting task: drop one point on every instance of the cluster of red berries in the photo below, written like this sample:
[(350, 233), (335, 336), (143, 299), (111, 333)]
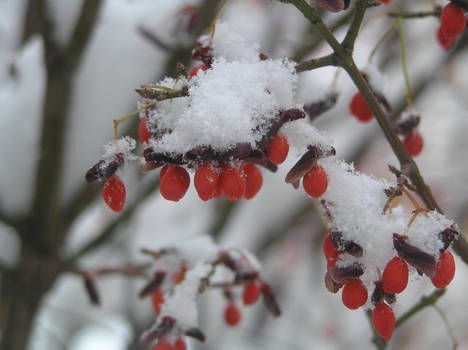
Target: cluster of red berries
[(394, 280), (452, 23), (250, 295)]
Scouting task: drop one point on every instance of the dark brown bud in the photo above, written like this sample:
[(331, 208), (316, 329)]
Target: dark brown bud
[(345, 274), (91, 289), (462, 4), (226, 259), (343, 245), (332, 285), (270, 300), (153, 284), (447, 236), (414, 256), (317, 108), (378, 294), (158, 331), (195, 333), (103, 169), (407, 126), (334, 5)]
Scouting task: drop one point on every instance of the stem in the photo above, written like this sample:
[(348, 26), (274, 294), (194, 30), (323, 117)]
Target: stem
[(215, 19), (381, 40), (403, 61), (447, 325), (128, 116), (409, 15), (329, 60), (425, 301)]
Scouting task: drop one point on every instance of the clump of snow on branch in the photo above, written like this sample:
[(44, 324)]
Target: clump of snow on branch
[(232, 102), (355, 203)]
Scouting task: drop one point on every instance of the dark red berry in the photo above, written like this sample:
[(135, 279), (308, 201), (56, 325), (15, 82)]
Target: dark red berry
[(180, 344), (452, 20), (232, 183), (445, 270), (253, 180), (413, 143), (196, 69), (163, 345), (354, 294), (157, 299), (174, 183), (359, 108), (278, 149), (395, 276), (330, 252), (383, 320), (232, 315), (385, 1), (114, 193), (315, 182), (143, 132), (251, 293), (206, 181), (445, 41)]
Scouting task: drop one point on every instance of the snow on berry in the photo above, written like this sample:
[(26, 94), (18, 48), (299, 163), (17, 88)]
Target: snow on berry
[(354, 203), (383, 320), (198, 68)]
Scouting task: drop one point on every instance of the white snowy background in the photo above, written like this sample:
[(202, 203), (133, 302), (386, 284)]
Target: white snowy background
[(118, 60)]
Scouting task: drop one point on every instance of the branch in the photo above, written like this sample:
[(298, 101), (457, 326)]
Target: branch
[(329, 60), (353, 31), (421, 14)]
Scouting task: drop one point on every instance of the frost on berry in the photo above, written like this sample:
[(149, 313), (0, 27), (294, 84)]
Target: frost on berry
[(383, 320)]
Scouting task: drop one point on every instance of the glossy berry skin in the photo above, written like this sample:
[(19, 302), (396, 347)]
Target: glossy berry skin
[(157, 299), (395, 276), (383, 320), (354, 294), (251, 293), (196, 69), (253, 180), (278, 149), (359, 108), (330, 252), (232, 183), (143, 132), (114, 193), (413, 143), (452, 20), (445, 270), (232, 315), (174, 183), (206, 181), (315, 182), (445, 41)]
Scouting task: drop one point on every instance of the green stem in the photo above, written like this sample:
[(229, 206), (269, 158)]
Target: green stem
[(329, 60), (128, 116), (403, 61), (447, 325), (381, 40)]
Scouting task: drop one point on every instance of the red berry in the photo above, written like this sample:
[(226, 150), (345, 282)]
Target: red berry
[(395, 276), (206, 181), (359, 108), (253, 180), (162, 345), (157, 299), (196, 69), (232, 315), (452, 20), (413, 143), (164, 170), (445, 41), (445, 270), (251, 293), (114, 193), (180, 344), (143, 132), (385, 1), (178, 276), (232, 183), (219, 192), (315, 182), (383, 320), (174, 183), (331, 254), (354, 294), (278, 149)]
